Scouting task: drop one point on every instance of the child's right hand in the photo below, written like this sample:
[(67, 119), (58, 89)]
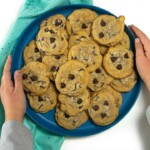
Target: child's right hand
[(142, 45)]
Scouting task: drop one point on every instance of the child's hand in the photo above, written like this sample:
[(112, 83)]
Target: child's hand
[(12, 96), (142, 45)]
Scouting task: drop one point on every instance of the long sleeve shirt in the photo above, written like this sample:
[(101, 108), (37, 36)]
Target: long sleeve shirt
[(15, 136)]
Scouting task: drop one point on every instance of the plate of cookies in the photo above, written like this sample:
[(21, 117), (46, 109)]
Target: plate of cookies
[(78, 67)]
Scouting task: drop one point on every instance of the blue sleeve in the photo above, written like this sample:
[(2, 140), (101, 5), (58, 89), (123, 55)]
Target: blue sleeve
[(15, 136)]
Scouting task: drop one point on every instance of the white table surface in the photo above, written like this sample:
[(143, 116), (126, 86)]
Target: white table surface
[(132, 132)]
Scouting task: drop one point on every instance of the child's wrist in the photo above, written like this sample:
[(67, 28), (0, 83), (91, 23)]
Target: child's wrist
[(12, 116)]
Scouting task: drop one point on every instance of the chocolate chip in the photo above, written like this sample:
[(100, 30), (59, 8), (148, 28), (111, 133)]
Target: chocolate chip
[(80, 107), (52, 40), (101, 35), (57, 56), (39, 59), (79, 101), (36, 50), (66, 115), (103, 23), (53, 68), (34, 78), (126, 55), (119, 67), (98, 70), (106, 103), (74, 58), (62, 85), (58, 22), (51, 31), (95, 107), (71, 76), (95, 81), (74, 122), (113, 59), (25, 76), (46, 30), (84, 26), (81, 69), (40, 99), (103, 115), (40, 106)]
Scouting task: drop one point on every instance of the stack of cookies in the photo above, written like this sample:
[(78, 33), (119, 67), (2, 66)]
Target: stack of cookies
[(79, 65)]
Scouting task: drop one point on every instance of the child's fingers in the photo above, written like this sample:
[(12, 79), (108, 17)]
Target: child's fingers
[(18, 81), (139, 49), (143, 38), (6, 78)]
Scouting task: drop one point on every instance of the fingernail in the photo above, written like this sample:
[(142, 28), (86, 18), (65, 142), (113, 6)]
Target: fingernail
[(18, 73), (137, 40)]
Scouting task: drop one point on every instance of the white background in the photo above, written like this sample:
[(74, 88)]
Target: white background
[(131, 133)]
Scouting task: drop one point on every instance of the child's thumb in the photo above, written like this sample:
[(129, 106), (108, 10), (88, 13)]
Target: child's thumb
[(18, 81)]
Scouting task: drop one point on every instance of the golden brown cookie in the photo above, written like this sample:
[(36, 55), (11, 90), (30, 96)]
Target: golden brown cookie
[(44, 102), (125, 84), (69, 122), (99, 79), (88, 53), (72, 105), (58, 21), (54, 62), (108, 30), (35, 78), (80, 20), (103, 110), (118, 62), (72, 78), (78, 37), (125, 40), (52, 40), (32, 53)]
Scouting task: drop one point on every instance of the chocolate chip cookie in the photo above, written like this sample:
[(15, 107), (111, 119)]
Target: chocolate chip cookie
[(72, 78), (58, 21), (80, 20), (72, 105), (108, 30), (52, 40), (35, 78), (69, 122), (125, 84), (44, 102), (54, 62), (99, 79), (125, 40), (117, 95), (88, 53), (103, 110), (32, 53), (118, 62), (78, 37)]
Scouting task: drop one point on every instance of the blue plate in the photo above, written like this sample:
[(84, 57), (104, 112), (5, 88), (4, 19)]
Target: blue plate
[(47, 120)]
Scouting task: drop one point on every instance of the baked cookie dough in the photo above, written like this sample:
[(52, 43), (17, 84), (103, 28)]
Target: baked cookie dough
[(72, 105), (80, 20), (69, 122), (72, 78), (44, 102), (108, 30), (35, 78), (118, 62)]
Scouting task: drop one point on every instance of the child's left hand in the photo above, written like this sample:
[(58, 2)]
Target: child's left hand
[(12, 96)]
